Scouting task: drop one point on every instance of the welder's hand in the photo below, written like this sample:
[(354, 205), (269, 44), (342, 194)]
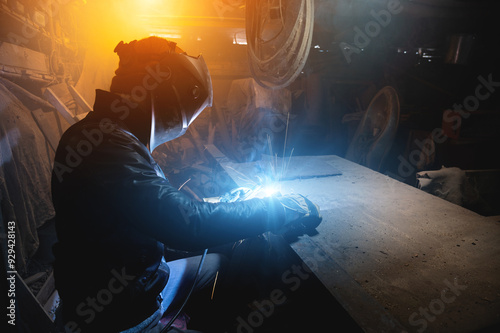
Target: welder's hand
[(246, 193), (300, 213), (237, 194)]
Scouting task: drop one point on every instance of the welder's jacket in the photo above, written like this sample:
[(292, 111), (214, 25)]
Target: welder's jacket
[(114, 213)]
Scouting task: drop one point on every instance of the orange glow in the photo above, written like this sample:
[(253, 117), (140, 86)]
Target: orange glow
[(107, 22)]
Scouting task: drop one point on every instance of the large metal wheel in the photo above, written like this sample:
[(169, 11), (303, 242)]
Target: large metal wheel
[(376, 131), (279, 37)]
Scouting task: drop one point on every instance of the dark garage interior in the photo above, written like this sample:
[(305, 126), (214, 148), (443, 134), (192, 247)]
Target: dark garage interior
[(383, 113)]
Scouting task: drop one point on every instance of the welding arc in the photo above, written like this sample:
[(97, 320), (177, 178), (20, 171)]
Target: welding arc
[(200, 265), (276, 62)]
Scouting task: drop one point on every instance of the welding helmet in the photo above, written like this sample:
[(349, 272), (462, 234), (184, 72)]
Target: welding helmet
[(178, 85), (181, 96)]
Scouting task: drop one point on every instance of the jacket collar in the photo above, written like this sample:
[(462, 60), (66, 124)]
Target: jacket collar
[(119, 109)]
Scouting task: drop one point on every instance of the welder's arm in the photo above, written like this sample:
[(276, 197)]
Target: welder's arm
[(183, 223), (149, 203)]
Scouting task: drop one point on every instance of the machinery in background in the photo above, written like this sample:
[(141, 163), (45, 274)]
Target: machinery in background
[(39, 42)]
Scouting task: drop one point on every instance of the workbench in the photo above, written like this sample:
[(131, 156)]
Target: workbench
[(397, 259)]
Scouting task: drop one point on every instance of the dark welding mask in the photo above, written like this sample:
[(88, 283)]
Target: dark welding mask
[(183, 93)]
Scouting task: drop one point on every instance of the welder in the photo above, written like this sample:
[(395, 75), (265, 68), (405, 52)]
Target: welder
[(116, 211)]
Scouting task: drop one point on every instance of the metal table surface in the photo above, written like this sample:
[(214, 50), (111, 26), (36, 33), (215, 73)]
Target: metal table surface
[(398, 259)]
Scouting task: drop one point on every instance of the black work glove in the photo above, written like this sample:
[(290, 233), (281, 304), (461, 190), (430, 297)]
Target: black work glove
[(301, 214)]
